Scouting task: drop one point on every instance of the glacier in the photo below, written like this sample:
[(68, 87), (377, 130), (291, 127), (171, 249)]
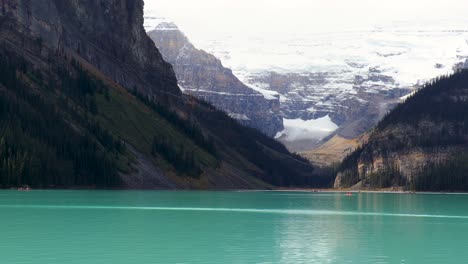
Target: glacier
[(314, 129), (347, 80)]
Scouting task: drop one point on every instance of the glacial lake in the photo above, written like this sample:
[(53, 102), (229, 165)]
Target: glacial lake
[(231, 227)]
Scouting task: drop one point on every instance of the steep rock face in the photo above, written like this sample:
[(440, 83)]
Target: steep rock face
[(83, 92), (310, 96), (354, 77), (395, 168), (202, 75), (82, 27), (422, 144)]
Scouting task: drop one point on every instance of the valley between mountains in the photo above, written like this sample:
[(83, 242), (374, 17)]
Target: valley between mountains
[(105, 94), (325, 111), (80, 112)]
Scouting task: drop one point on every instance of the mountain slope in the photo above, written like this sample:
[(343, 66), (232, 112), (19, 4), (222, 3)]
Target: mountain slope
[(88, 101), (353, 76), (422, 144), (202, 75), (334, 150)]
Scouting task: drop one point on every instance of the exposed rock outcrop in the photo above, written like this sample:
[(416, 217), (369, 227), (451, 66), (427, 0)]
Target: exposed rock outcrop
[(421, 144), (353, 77), (334, 150), (89, 98), (109, 34), (203, 75), (310, 96)]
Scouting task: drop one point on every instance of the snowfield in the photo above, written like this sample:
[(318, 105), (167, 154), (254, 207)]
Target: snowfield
[(327, 80), (410, 54), (315, 129)]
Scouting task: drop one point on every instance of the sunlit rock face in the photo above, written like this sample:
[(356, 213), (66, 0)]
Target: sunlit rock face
[(203, 75)]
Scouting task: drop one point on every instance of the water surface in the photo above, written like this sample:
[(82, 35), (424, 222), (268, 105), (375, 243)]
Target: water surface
[(231, 227)]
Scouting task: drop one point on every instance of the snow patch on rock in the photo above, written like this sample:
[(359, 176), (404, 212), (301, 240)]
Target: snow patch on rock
[(315, 129), (239, 116)]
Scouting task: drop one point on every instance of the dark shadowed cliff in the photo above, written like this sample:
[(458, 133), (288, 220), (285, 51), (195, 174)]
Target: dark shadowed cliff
[(88, 101)]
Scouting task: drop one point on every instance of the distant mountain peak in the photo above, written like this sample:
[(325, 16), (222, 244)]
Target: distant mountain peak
[(88, 70), (154, 22), (203, 75), (166, 26)]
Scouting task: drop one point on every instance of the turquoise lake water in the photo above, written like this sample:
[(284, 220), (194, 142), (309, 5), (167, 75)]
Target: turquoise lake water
[(231, 227)]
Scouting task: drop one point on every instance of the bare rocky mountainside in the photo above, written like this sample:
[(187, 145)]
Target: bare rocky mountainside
[(203, 75), (334, 150), (124, 53), (87, 100), (330, 84), (421, 145)]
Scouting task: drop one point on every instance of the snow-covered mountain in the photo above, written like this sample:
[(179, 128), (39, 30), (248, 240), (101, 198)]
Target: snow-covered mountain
[(339, 82), (352, 77), (203, 76)]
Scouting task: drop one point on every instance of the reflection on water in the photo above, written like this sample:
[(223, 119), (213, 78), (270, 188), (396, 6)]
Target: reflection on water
[(231, 227), (378, 228), (233, 210)]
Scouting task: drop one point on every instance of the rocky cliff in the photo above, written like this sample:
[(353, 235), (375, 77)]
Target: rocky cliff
[(82, 27), (422, 144), (88, 101), (203, 75), (354, 77), (310, 96)]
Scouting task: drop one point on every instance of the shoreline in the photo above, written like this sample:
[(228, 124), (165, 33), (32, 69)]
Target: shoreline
[(331, 190), (305, 190)]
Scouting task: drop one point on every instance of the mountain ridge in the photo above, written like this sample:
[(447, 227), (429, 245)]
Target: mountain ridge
[(120, 99), (420, 145), (202, 75), (354, 77)]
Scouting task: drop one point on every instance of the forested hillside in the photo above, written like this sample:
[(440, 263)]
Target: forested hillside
[(77, 112), (422, 144)]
